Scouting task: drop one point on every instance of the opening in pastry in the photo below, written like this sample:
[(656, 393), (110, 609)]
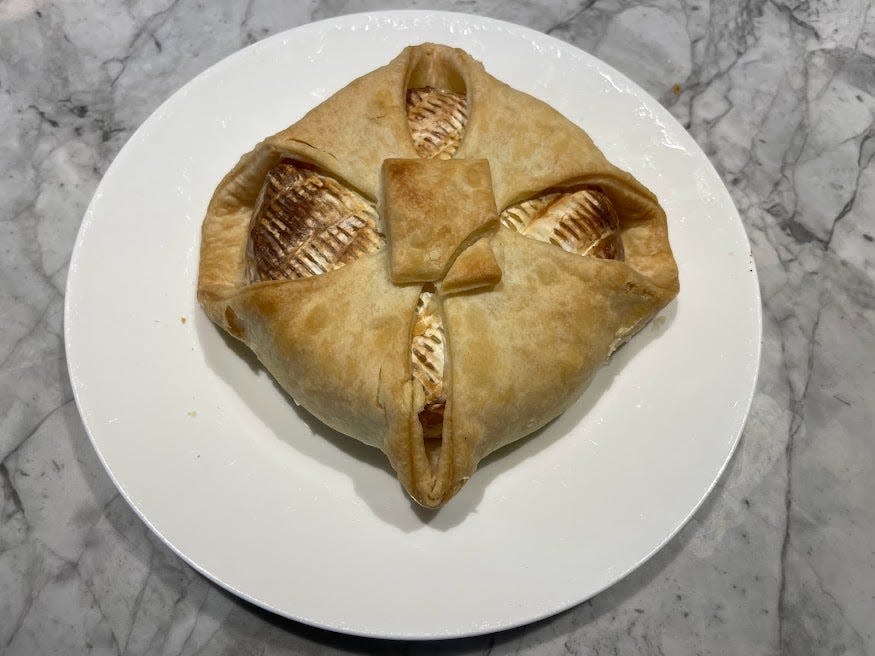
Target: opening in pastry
[(307, 223), (436, 118), (428, 357), (581, 221), (437, 106)]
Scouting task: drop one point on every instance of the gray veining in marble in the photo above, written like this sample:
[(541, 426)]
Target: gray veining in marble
[(781, 558)]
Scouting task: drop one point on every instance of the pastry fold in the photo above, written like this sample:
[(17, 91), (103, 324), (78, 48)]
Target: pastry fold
[(475, 268), (526, 324)]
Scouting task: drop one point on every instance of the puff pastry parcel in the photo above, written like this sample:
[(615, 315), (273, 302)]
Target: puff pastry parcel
[(433, 262)]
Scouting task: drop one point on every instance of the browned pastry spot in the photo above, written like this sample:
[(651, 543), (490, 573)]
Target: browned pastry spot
[(307, 223), (582, 222), (436, 119), (428, 357)]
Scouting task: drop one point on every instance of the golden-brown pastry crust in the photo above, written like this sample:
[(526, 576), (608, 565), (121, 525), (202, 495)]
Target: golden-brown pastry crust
[(430, 208), (475, 268), (531, 354), (519, 351)]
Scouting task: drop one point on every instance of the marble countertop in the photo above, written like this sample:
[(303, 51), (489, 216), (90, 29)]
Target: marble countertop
[(781, 557)]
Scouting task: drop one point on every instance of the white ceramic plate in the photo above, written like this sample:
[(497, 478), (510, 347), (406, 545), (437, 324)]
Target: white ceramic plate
[(274, 506)]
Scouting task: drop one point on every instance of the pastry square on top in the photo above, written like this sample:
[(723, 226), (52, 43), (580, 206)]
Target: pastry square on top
[(430, 210)]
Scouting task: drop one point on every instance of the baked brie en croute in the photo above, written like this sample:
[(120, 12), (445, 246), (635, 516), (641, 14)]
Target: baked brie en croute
[(433, 262)]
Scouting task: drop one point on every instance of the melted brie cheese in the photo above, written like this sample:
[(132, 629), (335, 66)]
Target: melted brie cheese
[(427, 349)]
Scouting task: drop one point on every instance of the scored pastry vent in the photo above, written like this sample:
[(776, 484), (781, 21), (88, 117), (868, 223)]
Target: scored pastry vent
[(437, 119), (428, 359), (307, 223), (582, 221)]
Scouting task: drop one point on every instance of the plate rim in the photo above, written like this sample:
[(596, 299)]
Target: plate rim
[(78, 385)]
